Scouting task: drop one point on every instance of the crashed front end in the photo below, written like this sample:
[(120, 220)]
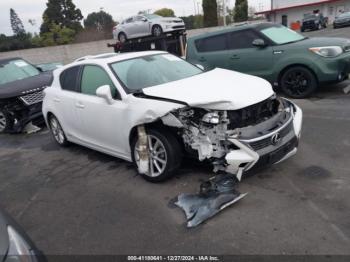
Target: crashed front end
[(236, 141)]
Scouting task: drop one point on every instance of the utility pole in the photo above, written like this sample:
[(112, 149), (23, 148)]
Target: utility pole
[(195, 7), (224, 7)]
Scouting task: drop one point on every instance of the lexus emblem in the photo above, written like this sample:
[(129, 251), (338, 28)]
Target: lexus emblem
[(276, 138)]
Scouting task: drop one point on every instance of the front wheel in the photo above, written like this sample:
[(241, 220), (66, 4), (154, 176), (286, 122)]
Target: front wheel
[(122, 37), (57, 131), (6, 122), (298, 82), (164, 153), (157, 30)]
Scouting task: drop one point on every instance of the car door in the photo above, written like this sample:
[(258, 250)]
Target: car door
[(142, 26), (244, 57), (101, 121), (212, 51), (128, 27), (64, 101)]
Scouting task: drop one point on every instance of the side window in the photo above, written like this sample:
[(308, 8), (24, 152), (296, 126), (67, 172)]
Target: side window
[(211, 44), (129, 20), (242, 39), (93, 77), (69, 79), (139, 18)]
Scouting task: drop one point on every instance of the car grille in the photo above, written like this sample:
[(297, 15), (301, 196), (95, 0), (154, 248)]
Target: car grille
[(33, 98), (178, 27), (258, 145)]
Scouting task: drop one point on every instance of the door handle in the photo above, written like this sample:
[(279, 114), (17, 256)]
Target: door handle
[(235, 57), (202, 59), (57, 100), (80, 105)]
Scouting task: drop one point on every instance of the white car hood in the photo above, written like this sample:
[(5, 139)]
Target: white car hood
[(218, 89)]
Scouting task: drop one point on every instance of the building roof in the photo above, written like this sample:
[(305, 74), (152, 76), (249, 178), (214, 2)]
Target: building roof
[(296, 6)]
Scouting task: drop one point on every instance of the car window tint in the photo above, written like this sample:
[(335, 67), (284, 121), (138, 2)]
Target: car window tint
[(129, 20), (94, 77), (68, 79), (139, 18), (242, 39), (211, 44)]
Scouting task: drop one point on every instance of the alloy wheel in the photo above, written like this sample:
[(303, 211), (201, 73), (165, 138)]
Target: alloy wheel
[(157, 156), (3, 122), (297, 82), (57, 131), (157, 31)]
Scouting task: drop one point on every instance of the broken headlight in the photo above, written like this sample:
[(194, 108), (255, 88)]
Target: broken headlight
[(211, 118)]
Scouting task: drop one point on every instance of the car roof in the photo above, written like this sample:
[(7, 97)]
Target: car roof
[(103, 60), (232, 28), (5, 60)]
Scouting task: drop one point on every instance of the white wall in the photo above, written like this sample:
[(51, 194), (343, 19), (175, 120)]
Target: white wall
[(330, 10)]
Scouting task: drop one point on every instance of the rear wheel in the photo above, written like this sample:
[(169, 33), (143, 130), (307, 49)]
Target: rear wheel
[(157, 30), (57, 131), (298, 82), (6, 122), (164, 154), (122, 37)]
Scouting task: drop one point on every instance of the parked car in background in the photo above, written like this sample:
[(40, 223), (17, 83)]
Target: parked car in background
[(153, 107), (290, 61), (313, 22), (147, 25), (21, 94), (15, 245), (342, 20)]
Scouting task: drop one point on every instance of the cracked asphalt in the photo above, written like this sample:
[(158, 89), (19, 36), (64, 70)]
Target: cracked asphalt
[(78, 201)]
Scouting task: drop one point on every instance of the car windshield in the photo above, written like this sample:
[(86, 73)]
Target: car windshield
[(344, 15), (152, 16), (282, 35), (147, 71), (13, 70)]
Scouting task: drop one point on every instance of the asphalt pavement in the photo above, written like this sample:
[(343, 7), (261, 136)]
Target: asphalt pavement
[(78, 201)]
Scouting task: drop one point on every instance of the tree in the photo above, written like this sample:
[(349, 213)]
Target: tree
[(57, 35), (193, 22), (241, 11), (62, 13), (16, 23), (166, 12), (100, 21), (210, 8)]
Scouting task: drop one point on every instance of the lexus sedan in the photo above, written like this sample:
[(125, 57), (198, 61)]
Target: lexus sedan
[(153, 108), (147, 25), (15, 245)]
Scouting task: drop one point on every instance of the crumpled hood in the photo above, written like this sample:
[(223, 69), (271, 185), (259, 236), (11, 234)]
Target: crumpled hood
[(218, 89), (26, 85)]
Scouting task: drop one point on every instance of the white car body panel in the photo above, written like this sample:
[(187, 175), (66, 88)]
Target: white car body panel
[(139, 28), (90, 121)]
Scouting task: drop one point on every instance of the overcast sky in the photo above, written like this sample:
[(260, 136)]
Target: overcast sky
[(119, 9)]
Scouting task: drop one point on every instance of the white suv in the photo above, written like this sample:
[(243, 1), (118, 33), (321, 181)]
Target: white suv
[(153, 108), (146, 25)]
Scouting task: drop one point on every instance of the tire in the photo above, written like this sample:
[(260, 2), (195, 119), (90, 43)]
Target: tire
[(57, 131), (6, 122), (172, 156), (122, 37), (302, 30), (157, 30), (298, 82)]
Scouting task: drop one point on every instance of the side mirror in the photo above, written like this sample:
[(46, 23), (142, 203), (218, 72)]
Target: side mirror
[(259, 43), (105, 93), (144, 19), (200, 67), (39, 68)]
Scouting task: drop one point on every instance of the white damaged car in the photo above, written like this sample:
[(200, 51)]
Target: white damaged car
[(154, 108)]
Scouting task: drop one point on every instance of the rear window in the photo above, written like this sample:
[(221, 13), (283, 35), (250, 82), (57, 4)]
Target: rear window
[(212, 44), (14, 70), (69, 79)]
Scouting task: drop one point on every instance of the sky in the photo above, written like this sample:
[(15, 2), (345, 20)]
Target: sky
[(119, 9)]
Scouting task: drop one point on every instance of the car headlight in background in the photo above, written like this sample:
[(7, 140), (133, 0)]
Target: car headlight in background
[(19, 249), (327, 51), (211, 118)]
